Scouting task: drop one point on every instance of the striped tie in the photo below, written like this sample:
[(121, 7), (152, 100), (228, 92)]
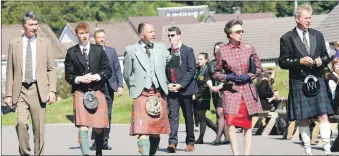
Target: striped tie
[(28, 64), (85, 53), (306, 43)]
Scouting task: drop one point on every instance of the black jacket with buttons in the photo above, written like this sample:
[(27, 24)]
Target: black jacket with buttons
[(77, 65)]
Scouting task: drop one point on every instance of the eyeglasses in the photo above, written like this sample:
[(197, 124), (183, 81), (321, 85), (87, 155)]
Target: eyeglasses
[(171, 35), (239, 31)]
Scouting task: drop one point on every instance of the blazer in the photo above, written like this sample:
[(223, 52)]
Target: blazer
[(185, 77), (76, 65), (45, 68), (292, 50), (264, 92), (134, 72), (115, 80)]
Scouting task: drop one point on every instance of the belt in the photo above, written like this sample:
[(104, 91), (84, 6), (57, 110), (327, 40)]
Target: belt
[(27, 85)]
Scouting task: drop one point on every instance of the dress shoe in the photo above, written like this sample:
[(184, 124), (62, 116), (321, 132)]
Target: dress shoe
[(225, 142), (93, 147), (199, 141), (171, 148), (216, 142), (189, 148), (106, 147), (98, 154)]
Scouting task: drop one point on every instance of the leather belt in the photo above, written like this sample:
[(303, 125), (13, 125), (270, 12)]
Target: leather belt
[(27, 85)]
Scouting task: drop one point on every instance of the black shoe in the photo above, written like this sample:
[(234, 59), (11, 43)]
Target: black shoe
[(106, 147), (225, 142), (216, 142), (93, 147), (98, 154), (199, 141)]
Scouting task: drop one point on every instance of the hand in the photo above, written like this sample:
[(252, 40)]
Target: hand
[(85, 79), (177, 87), (8, 101), (318, 62), (245, 78), (51, 97), (232, 77), (171, 87), (92, 77), (214, 89), (275, 93), (306, 61), (120, 91), (193, 97)]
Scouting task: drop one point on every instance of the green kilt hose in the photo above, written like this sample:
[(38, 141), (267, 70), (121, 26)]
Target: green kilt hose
[(303, 107), (142, 123), (82, 117)]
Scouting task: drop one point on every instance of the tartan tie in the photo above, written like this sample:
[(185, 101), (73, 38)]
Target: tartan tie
[(85, 53), (306, 43), (148, 52), (28, 64)]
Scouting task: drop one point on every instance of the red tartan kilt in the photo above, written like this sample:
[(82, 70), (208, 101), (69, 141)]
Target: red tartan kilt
[(82, 117), (142, 123)]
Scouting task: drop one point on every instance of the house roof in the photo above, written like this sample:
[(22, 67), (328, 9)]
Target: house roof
[(264, 34), (10, 32), (118, 34), (159, 21), (329, 26), (244, 16)]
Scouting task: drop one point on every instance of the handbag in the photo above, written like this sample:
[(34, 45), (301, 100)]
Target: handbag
[(252, 69), (153, 106), (90, 101)]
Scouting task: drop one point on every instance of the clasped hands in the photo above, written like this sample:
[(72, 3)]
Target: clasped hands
[(309, 62), (174, 87), (88, 78), (242, 79)]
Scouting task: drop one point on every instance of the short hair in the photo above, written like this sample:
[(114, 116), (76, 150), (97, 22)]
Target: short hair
[(176, 29), (219, 44), (27, 16), (301, 8), (204, 54), (141, 27), (230, 24), (98, 30), (82, 25)]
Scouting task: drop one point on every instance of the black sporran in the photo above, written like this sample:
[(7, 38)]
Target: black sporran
[(90, 101)]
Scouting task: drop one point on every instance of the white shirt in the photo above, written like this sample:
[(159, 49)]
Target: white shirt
[(76, 81), (300, 32), (33, 47), (333, 85)]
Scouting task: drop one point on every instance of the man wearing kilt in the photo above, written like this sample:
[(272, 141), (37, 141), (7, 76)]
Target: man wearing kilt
[(303, 53), (86, 69), (144, 74)]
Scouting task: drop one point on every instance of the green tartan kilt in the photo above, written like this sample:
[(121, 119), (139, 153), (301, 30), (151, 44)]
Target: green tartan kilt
[(301, 107)]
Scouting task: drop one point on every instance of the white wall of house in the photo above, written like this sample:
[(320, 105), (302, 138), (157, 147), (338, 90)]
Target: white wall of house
[(67, 36)]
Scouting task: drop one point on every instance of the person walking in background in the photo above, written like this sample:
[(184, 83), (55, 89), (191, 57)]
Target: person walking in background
[(144, 73), (87, 68), (303, 53), (237, 66), (202, 99), (182, 85), (113, 84), (30, 82), (216, 98)]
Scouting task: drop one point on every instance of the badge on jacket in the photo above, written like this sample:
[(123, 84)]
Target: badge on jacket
[(201, 78)]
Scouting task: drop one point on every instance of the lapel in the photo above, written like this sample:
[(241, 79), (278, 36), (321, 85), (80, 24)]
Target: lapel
[(78, 54), (313, 41), (182, 53), (91, 55), (298, 43), (38, 53), (139, 54), (19, 49), (154, 54)]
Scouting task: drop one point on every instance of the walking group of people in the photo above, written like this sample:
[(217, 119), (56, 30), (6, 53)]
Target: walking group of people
[(162, 80)]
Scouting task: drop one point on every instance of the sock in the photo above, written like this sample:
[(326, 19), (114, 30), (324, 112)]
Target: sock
[(83, 140), (99, 141), (145, 146), (325, 134), (305, 137)]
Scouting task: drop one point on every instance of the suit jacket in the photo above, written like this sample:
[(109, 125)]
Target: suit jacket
[(292, 50), (76, 65), (185, 77), (134, 71), (45, 68), (115, 80), (265, 92)]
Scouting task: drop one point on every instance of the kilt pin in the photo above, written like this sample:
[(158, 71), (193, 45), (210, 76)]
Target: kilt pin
[(242, 98)]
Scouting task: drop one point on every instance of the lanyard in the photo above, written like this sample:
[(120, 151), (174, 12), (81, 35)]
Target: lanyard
[(202, 71)]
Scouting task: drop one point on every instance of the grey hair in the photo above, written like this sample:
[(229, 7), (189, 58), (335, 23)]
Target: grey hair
[(301, 8), (98, 30), (27, 16)]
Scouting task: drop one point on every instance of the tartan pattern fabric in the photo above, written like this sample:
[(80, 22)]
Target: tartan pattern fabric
[(142, 123), (82, 117), (306, 43), (302, 107), (85, 53), (237, 61), (29, 63)]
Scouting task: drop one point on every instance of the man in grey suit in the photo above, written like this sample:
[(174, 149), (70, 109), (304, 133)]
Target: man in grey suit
[(113, 84), (144, 73)]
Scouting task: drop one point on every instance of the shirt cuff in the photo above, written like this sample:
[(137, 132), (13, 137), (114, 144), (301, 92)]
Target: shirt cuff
[(76, 81), (98, 77)]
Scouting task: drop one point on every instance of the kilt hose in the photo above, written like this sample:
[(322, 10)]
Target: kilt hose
[(82, 117), (302, 107), (142, 123)]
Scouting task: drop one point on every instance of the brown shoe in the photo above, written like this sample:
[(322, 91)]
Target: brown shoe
[(171, 148), (189, 148)]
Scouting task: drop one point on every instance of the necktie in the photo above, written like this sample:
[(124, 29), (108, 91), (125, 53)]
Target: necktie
[(28, 64), (148, 52), (306, 43), (85, 53)]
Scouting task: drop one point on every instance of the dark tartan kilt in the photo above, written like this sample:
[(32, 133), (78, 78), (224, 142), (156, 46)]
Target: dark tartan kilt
[(302, 107), (82, 117), (142, 123)]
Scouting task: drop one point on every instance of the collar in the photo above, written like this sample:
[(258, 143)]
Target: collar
[(335, 74), (230, 45), (32, 39), (144, 44), (87, 47), (301, 31)]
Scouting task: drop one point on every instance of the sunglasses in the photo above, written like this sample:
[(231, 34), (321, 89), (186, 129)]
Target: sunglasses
[(171, 35), (239, 31)]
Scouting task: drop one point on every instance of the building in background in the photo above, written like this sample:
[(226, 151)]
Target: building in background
[(184, 11)]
